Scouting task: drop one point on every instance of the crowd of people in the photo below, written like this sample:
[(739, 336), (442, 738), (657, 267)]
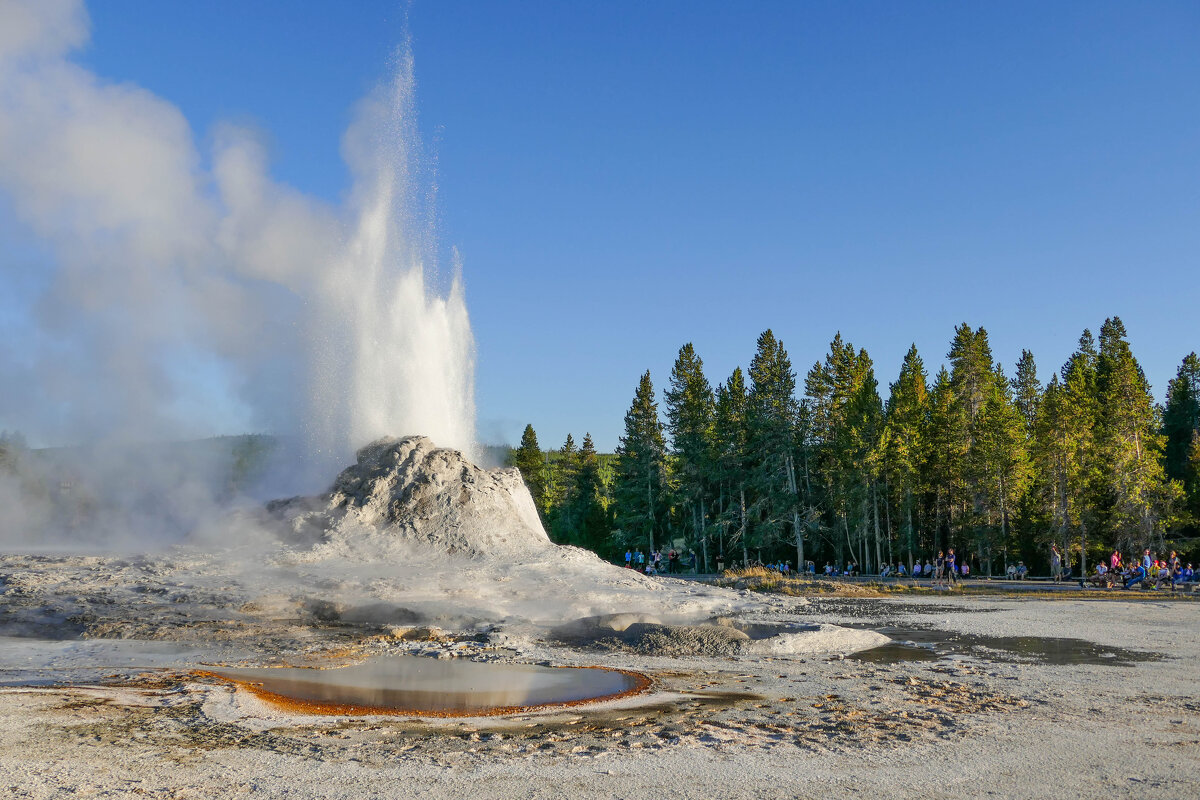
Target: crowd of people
[(945, 569), (652, 563), (1147, 572)]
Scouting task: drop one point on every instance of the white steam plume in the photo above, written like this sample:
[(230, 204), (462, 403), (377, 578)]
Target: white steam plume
[(183, 280)]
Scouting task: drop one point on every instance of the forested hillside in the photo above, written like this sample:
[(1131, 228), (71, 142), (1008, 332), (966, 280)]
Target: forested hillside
[(760, 468)]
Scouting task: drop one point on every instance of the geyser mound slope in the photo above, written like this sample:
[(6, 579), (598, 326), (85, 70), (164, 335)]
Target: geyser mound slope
[(405, 493), (417, 526)]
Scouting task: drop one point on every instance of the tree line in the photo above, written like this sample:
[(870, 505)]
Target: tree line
[(998, 467)]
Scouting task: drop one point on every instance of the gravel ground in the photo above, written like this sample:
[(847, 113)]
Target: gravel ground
[(1016, 697)]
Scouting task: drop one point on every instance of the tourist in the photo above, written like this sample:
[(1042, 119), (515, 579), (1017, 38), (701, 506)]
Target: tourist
[(939, 568), (1114, 561), (628, 559), (1099, 579), (1137, 574), (917, 569), (1022, 570), (966, 570), (951, 568), (1188, 575), (639, 558), (928, 569), (1055, 563), (1166, 577), (900, 569)]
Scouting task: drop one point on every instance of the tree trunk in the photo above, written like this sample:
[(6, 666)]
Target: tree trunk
[(650, 504), (745, 548), (796, 529), (1003, 525), (908, 502), (1082, 548), (724, 524), (849, 543), (875, 504), (937, 525), (887, 523)]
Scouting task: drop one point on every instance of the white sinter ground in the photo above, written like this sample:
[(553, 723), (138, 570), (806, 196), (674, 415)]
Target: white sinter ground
[(753, 695)]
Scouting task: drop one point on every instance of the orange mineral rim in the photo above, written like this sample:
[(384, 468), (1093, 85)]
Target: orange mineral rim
[(283, 702)]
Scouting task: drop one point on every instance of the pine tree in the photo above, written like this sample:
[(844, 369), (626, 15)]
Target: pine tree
[(729, 459), (564, 520), (1129, 443), (945, 457), (903, 441), (529, 459), (1000, 465), (1181, 425), (861, 438), (590, 515), (690, 407), (842, 401), (972, 377), (1053, 450), (1027, 391), (771, 421), (971, 370), (1030, 511), (1065, 448), (640, 476)]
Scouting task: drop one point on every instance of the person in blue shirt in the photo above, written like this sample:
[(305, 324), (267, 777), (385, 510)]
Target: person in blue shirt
[(1137, 576), (1188, 574)]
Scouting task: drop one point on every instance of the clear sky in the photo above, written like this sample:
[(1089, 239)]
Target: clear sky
[(624, 177)]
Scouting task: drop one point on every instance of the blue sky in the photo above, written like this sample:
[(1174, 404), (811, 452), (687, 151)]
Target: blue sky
[(623, 177)]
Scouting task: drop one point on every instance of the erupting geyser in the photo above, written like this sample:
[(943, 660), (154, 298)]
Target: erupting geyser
[(181, 293), (390, 355)]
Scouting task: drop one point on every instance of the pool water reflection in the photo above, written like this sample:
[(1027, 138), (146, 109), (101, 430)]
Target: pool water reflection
[(433, 687)]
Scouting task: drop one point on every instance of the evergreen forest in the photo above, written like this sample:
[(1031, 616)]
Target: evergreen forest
[(998, 466)]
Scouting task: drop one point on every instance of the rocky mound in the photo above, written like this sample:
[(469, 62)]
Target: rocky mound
[(413, 493)]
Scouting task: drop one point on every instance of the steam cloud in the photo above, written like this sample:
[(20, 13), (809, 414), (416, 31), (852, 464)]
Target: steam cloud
[(186, 289)]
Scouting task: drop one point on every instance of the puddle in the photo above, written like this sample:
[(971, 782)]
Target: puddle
[(916, 644), (894, 652), (412, 685)]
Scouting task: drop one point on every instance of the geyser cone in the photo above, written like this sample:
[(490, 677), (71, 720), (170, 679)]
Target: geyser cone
[(406, 493)]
